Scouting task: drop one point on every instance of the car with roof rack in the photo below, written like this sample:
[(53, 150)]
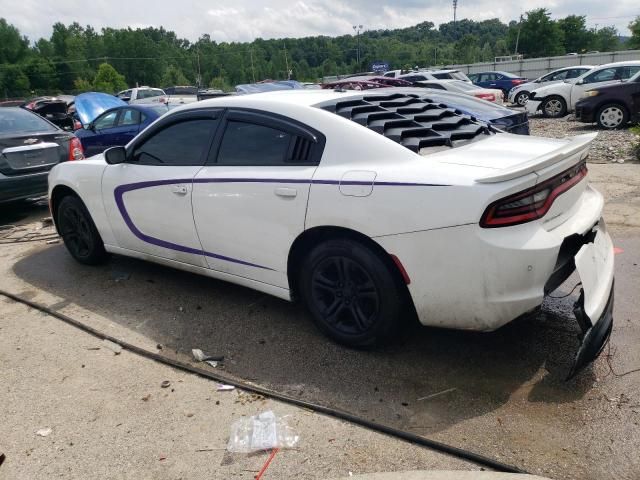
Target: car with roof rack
[(365, 206)]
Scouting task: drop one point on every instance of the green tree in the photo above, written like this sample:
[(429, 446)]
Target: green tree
[(577, 38), (173, 76), (108, 79), (13, 82), (539, 35), (634, 41), (13, 46), (606, 40)]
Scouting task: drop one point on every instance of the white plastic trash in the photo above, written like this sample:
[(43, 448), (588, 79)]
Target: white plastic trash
[(265, 431)]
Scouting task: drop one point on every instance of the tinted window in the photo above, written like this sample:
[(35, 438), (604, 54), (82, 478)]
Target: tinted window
[(129, 117), (442, 76), (17, 120), (575, 72), (106, 121), (558, 76), (251, 144), (487, 77), (432, 85), (179, 144), (150, 92), (629, 72)]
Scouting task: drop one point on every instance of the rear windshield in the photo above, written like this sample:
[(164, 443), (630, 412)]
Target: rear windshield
[(181, 91), (17, 120), (150, 92)]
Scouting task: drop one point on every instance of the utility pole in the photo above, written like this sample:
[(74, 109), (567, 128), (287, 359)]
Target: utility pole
[(455, 11), (286, 61), (253, 70), (518, 36), (199, 79), (358, 29)]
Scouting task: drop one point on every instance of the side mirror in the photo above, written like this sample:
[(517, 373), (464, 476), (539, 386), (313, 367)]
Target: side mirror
[(580, 82), (115, 155)]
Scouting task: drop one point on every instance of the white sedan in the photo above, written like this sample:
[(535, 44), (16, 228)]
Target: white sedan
[(458, 86), (365, 206)]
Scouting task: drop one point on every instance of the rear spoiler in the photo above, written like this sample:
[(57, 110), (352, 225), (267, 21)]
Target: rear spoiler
[(573, 146)]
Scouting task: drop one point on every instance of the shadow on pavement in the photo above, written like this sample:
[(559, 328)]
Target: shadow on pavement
[(274, 343)]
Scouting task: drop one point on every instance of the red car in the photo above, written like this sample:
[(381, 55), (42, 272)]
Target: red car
[(366, 83)]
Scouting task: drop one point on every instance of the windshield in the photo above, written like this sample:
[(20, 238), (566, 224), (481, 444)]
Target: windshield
[(150, 92), (181, 90), (463, 86), (17, 120)]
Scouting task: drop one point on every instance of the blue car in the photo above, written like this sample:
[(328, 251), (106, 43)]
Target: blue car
[(504, 81), (107, 121)]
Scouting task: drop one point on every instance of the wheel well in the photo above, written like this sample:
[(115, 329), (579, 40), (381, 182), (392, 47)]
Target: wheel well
[(612, 103), (58, 193), (308, 239)]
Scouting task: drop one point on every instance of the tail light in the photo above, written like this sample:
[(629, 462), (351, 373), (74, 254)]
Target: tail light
[(517, 81), (76, 125), (76, 152), (486, 96), (532, 203)]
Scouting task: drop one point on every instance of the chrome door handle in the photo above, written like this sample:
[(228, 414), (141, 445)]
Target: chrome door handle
[(286, 192), (179, 189)]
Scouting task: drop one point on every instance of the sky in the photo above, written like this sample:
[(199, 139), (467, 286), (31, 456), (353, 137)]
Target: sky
[(244, 20)]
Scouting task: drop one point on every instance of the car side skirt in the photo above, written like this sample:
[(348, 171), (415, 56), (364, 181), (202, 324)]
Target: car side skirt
[(283, 293)]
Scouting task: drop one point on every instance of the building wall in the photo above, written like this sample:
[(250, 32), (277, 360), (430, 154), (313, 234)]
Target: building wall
[(535, 67)]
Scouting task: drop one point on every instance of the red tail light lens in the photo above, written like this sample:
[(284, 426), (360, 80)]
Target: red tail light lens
[(486, 96), (516, 82), (76, 152), (532, 203)]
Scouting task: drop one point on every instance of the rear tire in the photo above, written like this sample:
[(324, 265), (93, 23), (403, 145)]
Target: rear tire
[(612, 116), (554, 107), (79, 233), (353, 295)]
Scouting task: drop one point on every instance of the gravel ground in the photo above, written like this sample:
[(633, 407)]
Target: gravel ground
[(610, 146)]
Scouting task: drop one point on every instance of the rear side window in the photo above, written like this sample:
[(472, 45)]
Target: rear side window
[(129, 117), (17, 120), (251, 144), (442, 76), (179, 144), (150, 92)]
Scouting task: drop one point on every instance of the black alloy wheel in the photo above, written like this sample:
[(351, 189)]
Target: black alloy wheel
[(79, 233), (353, 295)]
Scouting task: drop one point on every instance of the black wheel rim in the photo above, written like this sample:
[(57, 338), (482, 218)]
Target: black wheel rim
[(76, 232), (345, 295)]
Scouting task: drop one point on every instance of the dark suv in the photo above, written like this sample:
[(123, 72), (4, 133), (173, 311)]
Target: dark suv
[(612, 106)]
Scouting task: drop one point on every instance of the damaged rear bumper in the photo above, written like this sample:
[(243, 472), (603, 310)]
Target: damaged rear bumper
[(594, 308)]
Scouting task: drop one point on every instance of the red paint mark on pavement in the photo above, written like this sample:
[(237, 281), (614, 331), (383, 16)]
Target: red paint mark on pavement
[(266, 464), (617, 250)]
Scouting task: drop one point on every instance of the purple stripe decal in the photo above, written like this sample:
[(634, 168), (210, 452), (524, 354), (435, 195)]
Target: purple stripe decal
[(122, 189)]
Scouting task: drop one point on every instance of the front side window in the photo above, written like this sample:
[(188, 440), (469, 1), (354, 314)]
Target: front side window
[(628, 72), (108, 120), (575, 73), (179, 144), (251, 144), (559, 76)]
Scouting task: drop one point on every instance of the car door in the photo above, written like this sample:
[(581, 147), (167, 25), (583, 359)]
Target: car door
[(127, 126), (250, 199), (487, 80), (101, 136), (148, 198)]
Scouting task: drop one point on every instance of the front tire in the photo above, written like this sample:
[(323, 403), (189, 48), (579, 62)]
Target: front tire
[(79, 233), (521, 98), (354, 296), (554, 107), (612, 116)]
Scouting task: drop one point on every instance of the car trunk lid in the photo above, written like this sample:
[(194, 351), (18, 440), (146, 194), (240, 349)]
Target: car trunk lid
[(31, 153)]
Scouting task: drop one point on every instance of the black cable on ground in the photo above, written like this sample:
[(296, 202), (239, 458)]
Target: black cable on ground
[(332, 412)]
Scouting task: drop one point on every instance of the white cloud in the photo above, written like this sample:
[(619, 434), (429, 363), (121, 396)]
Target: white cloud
[(247, 19)]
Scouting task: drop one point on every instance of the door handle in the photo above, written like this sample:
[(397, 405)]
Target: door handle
[(179, 189), (286, 192)]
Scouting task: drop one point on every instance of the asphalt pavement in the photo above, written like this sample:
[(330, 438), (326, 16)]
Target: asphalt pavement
[(501, 394)]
